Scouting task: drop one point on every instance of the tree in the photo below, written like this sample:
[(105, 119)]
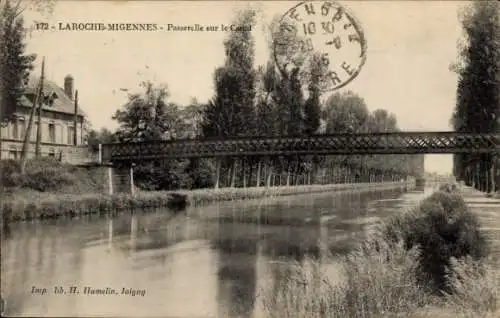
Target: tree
[(267, 115), (150, 117), (102, 136), (312, 107), (147, 116), (289, 100), (478, 89), (15, 64), (345, 113), (191, 118), (232, 112)]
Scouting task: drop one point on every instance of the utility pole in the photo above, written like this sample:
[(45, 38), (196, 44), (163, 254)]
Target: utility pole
[(38, 151), (75, 119), (27, 135)]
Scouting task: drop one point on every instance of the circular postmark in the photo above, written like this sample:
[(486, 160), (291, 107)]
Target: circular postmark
[(327, 31)]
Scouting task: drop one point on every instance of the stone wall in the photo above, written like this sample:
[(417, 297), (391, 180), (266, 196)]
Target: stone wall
[(65, 153), (78, 155), (122, 179)]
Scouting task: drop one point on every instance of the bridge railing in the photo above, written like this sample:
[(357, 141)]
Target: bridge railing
[(332, 144)]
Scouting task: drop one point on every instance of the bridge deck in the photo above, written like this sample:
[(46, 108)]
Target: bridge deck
[(336, 144)]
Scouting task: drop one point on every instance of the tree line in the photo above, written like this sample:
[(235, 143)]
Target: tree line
[(262, 101), (478, 92), (248, 101)]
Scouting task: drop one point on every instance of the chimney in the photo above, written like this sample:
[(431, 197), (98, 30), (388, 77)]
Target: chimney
[(68, 86)]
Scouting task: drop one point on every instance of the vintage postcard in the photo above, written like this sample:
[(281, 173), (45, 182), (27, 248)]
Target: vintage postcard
[(249, 158)]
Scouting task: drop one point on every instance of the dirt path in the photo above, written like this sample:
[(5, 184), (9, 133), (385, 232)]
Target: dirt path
[(488, 210)]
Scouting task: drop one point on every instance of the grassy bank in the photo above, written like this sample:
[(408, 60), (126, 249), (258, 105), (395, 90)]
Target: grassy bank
[(204, 196), (21, 204), (427, 262), (56, 205)]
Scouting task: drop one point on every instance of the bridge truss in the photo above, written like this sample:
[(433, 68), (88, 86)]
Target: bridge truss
[(335, 144)]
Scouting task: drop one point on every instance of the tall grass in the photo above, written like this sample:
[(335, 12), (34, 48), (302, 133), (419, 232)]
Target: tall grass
[(378, 280), (474, 288), (426, 262)]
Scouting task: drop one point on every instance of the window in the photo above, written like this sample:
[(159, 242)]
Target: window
[(52, 153), (53, 97), (52, 133), (12, 152), (71, 132), (22, 128), (14, 129)]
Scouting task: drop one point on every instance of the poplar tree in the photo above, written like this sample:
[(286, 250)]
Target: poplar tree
[(478, 91), (312, 107), (232, 111)]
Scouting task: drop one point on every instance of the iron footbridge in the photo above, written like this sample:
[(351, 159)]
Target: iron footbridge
[(332, 144)]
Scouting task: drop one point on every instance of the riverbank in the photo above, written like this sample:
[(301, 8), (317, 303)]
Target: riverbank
[(24, 204), (206, 196), (432, 261)]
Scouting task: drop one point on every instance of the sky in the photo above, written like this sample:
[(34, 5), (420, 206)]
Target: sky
[(410, 46)]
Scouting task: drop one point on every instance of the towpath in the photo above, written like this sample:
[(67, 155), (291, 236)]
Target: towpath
[(488, 210)]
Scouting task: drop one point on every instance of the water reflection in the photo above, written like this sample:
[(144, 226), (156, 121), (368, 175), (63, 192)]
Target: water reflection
[(212, 261), (236, 275)]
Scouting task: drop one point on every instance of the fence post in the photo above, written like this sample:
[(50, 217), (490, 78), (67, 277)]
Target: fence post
[(492, 175), (110, 180), (217, 172), (99, 158), (258, 174), (131, 179)]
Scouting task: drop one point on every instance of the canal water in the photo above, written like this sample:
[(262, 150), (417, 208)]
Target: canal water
[(210, 261)]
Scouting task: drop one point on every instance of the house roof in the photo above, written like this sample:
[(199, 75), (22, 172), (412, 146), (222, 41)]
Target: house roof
[(61, 104)]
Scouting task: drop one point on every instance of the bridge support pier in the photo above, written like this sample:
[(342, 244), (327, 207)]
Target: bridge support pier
[(257, 184), (420, 183), (217, 172), (121, 179), (492, 176)]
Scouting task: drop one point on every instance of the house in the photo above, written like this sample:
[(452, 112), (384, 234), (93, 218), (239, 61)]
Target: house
[(60, 122)]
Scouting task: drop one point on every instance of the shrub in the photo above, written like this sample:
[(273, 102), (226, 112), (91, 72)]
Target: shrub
[(48, 175), (48, 179), (10, 173), (442, 228), (448, 187)]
